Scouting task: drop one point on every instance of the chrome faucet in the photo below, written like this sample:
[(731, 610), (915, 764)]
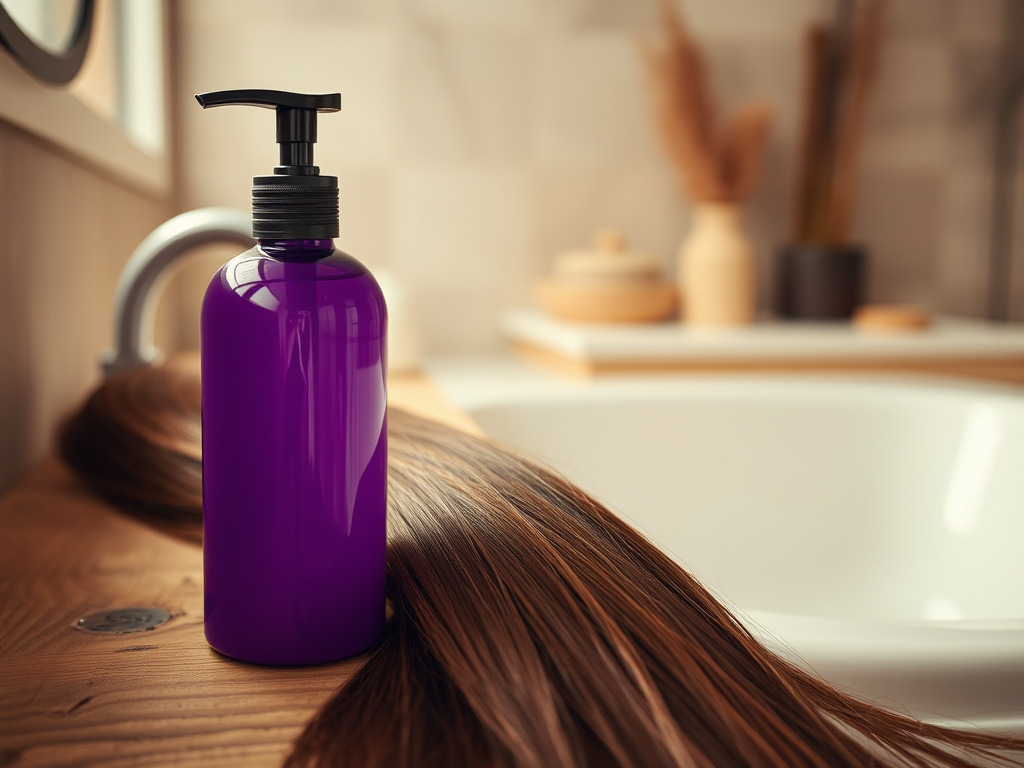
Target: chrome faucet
[(133, 306)]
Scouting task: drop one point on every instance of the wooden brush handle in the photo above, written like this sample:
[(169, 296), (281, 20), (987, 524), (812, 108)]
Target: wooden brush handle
[(861, 68), (812, 139)]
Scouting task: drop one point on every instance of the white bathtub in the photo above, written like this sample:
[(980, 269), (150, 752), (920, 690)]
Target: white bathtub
[(871, 529)]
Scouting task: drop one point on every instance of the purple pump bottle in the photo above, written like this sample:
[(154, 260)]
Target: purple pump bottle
[(294, 420)]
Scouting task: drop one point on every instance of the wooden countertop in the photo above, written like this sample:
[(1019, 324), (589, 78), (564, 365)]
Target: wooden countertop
[(155, 698)]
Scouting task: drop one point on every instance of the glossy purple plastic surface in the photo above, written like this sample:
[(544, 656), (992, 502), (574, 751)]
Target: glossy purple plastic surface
[(294, 455)]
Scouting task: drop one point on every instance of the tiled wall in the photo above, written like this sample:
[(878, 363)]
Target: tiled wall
[(480, 137)]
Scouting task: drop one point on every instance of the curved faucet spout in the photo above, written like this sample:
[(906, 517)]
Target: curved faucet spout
[(133, 310)]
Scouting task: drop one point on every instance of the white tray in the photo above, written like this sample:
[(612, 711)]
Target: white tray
[(673, 344)]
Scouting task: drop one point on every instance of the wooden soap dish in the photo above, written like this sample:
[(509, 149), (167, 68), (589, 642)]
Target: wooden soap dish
[(610, 302), (606, 284), (891, 318)]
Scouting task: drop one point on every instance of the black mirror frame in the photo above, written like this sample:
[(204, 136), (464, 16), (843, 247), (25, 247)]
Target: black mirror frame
[(53, 68)]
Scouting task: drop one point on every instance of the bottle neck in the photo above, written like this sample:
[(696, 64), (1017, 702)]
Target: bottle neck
[(296, 250)]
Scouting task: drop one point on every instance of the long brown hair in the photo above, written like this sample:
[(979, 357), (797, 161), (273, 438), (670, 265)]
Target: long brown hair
[(531, 628)]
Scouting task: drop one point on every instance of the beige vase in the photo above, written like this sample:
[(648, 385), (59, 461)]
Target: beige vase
[(716, 268)]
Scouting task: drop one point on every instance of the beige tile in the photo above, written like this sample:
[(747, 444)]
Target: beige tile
[(908, 125), (221, 148), (977, 90), (361, 66), (978, 21), (267, 15), (463, 97), (755, 19), (611, 15), (897, 223), (592, 100), (963, 257), (462, 321), (461, 227), (365, 209), (925, 20), (476, 16)]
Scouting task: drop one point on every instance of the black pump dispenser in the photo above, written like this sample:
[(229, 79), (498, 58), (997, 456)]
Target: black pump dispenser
[(296, 203)]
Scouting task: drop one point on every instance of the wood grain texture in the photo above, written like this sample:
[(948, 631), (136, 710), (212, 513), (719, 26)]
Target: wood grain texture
[(859, 80), (161, 697), (67, 230), (1002, 370), (416, 393), (811, 139), (157, 698)]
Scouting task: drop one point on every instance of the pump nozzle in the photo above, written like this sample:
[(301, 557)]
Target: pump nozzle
[(296, 121), (292, 203)]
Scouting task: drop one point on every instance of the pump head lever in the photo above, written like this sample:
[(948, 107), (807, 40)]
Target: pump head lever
[(258, 97), (296, 121)]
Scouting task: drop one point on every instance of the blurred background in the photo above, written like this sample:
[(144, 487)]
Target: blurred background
[(477, 139)]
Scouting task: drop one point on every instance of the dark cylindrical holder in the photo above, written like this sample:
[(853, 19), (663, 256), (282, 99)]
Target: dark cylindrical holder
[(820, 282)]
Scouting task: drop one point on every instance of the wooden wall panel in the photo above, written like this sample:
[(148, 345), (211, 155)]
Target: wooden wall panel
[(65, 232)]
